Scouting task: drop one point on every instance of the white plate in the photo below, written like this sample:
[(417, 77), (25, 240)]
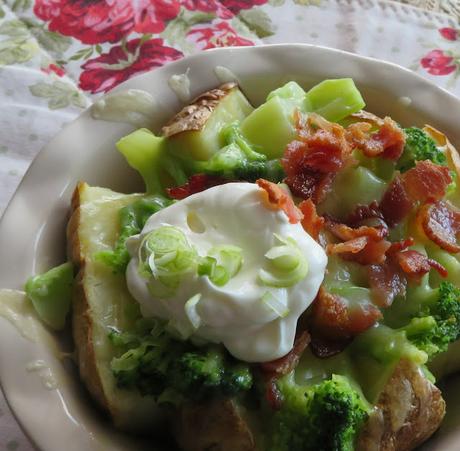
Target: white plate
[(32, 229)]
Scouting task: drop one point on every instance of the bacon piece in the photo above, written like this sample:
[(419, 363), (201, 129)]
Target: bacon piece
[(366, 116), (311, 161), (311, 222), (387, 142), (352, 246), (276, 198), (399, 246), (286, 364), (373, 254), (386, 282), (364, 212), (273, 395), (441, 224), (332, 317), (323, 348), (345, 232), (426, 181), (395, 204), (415, 265), (195, 184)]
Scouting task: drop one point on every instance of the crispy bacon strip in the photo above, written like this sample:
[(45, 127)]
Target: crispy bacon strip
[(332, 318), (366, 116), (311, 222), (399, 246), (311, 161), (352, 246), (344, 232), (276, 198), (273, 395), (395, 204), (415, 265), (426, 181), (386, 282), (195, 184), (373, 254), (286, 364), (387, 142), (441, 223), (364, 213)]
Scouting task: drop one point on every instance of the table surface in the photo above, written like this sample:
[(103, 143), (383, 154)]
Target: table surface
[(54, 60)]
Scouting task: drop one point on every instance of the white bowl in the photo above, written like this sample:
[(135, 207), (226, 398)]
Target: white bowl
[(32, 230)]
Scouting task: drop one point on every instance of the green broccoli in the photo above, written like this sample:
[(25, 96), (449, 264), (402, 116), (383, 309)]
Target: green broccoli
[(419, 146), (440, 323), (327, 416), (238, 160), (154, 362), (132, 220), (50, 294)]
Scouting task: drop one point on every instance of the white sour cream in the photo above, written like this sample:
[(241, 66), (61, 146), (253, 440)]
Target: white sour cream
[(233, 314)]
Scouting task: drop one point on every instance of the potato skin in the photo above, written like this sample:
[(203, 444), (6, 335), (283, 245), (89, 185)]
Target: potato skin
[(410, 409), (216, 425), (194, 116), (81, 318)]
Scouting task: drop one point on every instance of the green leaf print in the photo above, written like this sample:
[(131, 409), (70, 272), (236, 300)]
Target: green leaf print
[(19, 46), (59, 94), (258, 21)]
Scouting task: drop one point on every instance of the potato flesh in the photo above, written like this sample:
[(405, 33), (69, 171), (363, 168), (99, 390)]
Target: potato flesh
[(203, 143)]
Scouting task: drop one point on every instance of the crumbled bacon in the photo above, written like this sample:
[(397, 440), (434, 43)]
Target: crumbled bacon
[(286, 364), (363, 213), (366, 116), (373, 254), (332, 317), (311, 222), (387, 142), (441, 224), (386, 282), (399, 246), (345, 232), (426, 181), (276, 198), (195, 184), (415, 265), (395, 204), (273, 395), (324, 348), (352, 246), (311, 161)]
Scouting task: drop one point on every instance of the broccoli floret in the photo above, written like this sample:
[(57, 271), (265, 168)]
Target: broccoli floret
[(238, 160), (419, 146), (441, 325), (327, 416), (132, 220), (155, 362)]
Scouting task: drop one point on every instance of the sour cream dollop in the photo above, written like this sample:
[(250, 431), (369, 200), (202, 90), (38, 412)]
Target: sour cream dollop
[(234, 314)]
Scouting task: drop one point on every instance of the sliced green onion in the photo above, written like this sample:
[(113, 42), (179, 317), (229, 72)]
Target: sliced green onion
[(221, 264), (190, 311), (275, 304), (287, 266), (166, 255)]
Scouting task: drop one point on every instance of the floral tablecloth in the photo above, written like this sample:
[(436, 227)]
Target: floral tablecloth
[(56, 56)]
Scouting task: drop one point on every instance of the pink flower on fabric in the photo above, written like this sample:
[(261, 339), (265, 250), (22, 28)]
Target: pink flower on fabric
[(218, 35), (98, 21), (208, 6), (53, 68), (451, 34), (110, 69), (437, 62)]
